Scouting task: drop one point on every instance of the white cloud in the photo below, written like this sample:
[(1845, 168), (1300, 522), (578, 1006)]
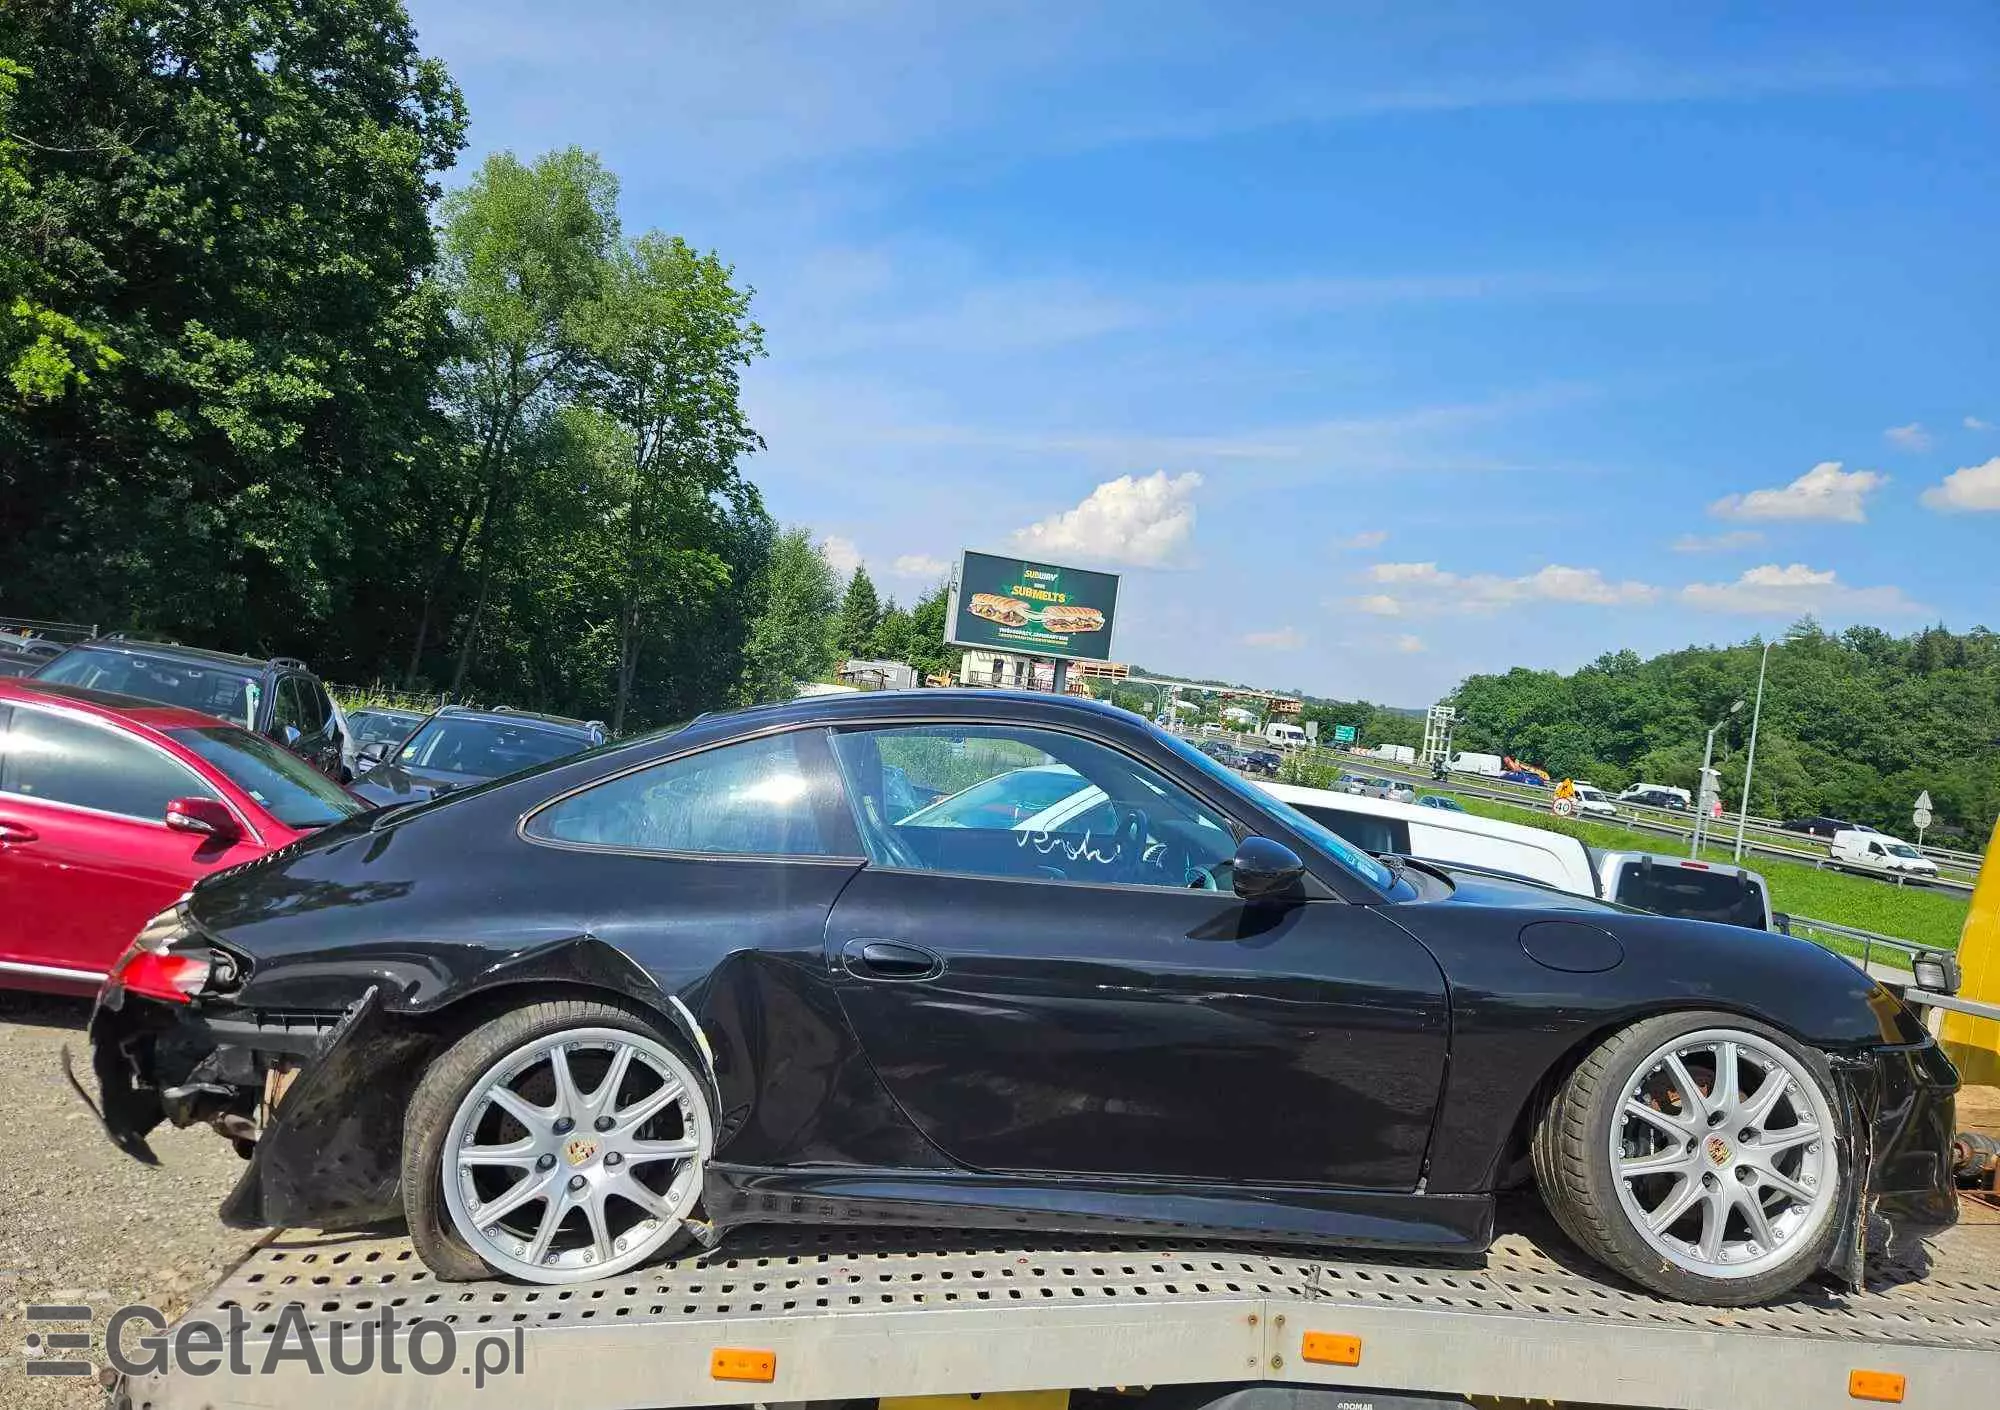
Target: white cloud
[(1283, 639), (1378, 604), (842, 554), (1718, 543), (919, 565), (1426, 574), (1774, 590), (1910, 437), (1367, 538), (1973, 423), (1973, 487), (1408, 645), (1440, 590), (1823, 492), (1144, 521)]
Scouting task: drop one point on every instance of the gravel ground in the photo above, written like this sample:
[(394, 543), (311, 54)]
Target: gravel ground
[(79, 1222)]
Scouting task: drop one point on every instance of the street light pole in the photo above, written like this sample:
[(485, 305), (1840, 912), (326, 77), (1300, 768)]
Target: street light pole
[(1701, 784), (1750, 760)]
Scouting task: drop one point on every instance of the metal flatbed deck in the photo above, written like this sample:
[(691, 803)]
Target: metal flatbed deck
[(859, 1314)]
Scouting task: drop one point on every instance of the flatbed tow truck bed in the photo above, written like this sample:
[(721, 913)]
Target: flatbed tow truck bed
[(786, 1315)]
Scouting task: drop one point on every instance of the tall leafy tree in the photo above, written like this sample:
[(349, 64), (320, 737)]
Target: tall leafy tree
[(672, 336), (216, 337), (860, 615), (788, 641), (526, 262)]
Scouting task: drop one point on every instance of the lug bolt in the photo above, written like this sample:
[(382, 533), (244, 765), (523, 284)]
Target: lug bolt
[(577, 1182), (604, 1123), (548, 1162), (1715, 1118), (564, 1126), (1746, 1135), (613, 1158), (1708, 1179), (1745, 1174)]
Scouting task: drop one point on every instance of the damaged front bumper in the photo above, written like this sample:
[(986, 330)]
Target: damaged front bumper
[(1899, 1104), (302, 1098)]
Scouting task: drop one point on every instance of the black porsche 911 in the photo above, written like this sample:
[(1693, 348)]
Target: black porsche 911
[(957, 958)]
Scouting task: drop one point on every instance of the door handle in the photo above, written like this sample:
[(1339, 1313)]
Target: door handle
[(17, 832), (890, 959)]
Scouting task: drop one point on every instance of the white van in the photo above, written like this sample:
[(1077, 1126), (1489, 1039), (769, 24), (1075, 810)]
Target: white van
[(1591, 800), (1854, 850), (1490, 765), (1678, 886), (1285, 736), (1465, 839)]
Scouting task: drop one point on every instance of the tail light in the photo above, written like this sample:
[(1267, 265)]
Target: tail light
[(168, 961)]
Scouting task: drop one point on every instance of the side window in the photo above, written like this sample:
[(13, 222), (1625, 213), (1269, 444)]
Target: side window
[(53, 759), (287, 710), (313, 708), (757, 798), (1027, 803)]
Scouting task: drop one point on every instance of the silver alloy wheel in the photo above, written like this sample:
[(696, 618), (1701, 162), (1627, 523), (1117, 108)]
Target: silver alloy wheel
[(1724, 1154), (577, 1155)]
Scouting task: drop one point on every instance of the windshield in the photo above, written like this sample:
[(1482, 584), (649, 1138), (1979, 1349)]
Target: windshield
[(1327, 840), (1903, 849), (485, 748), (1595, 795), (367, 726), (280, 782), (194, 684)]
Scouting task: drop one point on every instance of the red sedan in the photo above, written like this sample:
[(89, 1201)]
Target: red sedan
[(112, 807)]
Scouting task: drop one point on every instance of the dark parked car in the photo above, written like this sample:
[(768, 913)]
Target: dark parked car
[(372, 724), (1262, 763), (1823, 826), (459, 745), (279, 698), (1654, 798), (561, 1021)]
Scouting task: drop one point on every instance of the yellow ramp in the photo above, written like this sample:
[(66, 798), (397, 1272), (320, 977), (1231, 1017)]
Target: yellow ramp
[(1974, 1043)]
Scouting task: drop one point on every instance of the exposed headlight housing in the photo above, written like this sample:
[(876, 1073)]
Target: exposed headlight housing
[(168, 960), (1936, 970)]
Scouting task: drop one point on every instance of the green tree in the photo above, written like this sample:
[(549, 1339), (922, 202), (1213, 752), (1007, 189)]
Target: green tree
[(218, 340), (854, 630), (788, 638), (671, 339), (526, 262)]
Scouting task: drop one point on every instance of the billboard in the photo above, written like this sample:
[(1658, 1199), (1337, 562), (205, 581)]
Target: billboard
[(1033, 609)]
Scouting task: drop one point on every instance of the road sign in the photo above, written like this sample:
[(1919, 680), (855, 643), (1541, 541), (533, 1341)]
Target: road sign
[(1920, 816), (1312, 731), (1343, 734)]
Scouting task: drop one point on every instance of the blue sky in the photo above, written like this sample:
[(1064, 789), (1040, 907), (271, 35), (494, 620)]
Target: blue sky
[(1377, 344)]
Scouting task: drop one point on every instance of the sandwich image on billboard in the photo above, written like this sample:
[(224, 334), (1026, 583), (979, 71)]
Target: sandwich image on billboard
[(1036, 609)]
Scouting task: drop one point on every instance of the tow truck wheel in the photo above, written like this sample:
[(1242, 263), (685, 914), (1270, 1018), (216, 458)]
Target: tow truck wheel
[(560, 1142), (1699, 1155)]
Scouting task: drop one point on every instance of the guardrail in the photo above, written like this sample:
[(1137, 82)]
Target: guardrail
[(1818, 931), (1770, 842)]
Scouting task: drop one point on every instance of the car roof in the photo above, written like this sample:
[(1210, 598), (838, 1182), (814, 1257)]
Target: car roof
[(503, 715), (1413, 812), (387, 710), (130, 709), (132, 646)]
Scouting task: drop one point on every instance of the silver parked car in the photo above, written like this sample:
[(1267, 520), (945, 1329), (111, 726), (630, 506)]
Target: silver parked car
[(1395, 790)]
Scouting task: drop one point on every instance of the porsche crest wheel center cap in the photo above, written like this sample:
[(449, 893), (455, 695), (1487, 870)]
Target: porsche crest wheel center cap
[(579, 1149), (1718, 1150)]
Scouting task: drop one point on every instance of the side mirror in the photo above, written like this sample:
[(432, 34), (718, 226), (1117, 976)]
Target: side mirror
[(205, 817), (375, 751), (289, 736), (1265, 870)]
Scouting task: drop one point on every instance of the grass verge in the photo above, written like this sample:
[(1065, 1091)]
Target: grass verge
[(1914, 913)]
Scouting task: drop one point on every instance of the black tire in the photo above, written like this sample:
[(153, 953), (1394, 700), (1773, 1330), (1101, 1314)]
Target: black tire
[(444, 1085), (1572, 1165)]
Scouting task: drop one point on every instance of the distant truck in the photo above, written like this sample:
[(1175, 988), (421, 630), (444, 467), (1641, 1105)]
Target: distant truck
[(1490, 765), (1394, 753), (1285, 736)]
